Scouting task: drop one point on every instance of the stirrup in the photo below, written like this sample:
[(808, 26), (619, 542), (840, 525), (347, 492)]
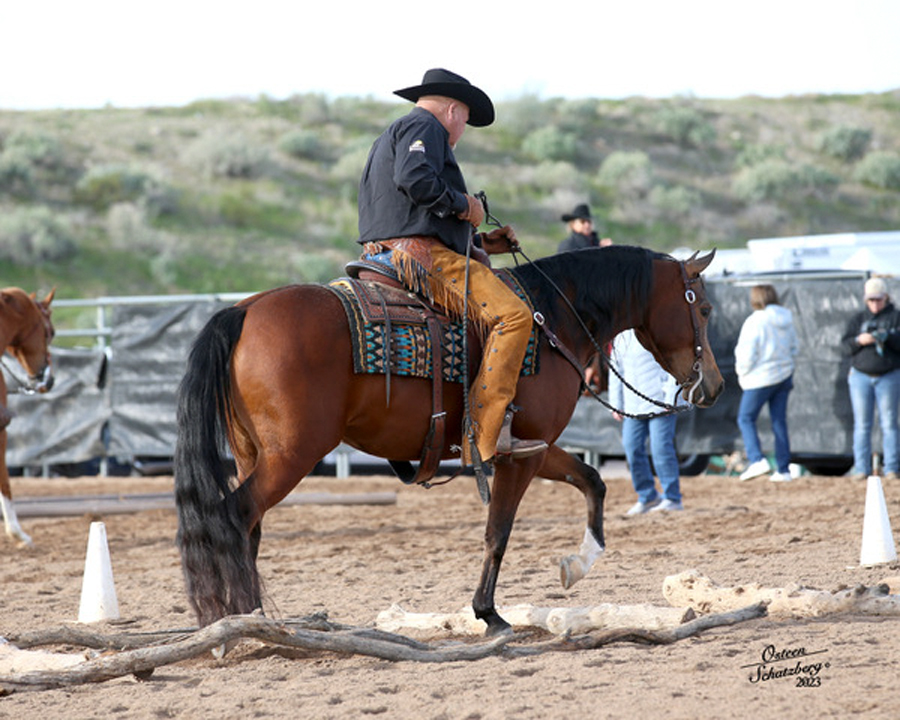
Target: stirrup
[(505, 438), (509, 447)]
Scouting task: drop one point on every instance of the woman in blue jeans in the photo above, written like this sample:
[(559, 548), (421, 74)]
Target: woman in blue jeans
[(764, 361), (639, 368), (872, 338)]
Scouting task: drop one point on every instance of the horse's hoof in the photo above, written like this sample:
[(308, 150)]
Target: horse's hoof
[(21, 539), (220, 651), (571, 570), (498, 629)]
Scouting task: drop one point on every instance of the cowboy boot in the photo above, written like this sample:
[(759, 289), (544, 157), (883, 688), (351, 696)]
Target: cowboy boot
[(513, 447)]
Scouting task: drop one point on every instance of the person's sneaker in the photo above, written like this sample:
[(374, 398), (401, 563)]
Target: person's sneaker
[(780, 477), (891, 476), (857, 477), (639, 508), (666, 505), (754, 470)]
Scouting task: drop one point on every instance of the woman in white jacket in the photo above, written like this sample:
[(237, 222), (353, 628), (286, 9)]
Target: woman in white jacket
[(640, 370), (764, 361)]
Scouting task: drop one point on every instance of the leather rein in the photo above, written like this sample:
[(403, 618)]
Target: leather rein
[(690, 384)]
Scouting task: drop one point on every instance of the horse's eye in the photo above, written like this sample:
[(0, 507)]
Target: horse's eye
[(705, 311)]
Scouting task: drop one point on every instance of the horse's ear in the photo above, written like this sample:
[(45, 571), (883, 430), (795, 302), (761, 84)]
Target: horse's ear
[(698, 265), (47, 300)]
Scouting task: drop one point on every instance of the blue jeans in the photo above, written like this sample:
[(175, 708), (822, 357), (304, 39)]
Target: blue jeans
[(661, 431), (867, 392), (752, 402)]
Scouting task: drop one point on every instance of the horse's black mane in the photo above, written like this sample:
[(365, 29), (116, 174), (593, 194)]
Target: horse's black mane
[(599, 282)]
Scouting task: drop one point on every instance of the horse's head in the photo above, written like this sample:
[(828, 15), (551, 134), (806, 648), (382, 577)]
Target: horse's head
[(27, 332), (674, 327)]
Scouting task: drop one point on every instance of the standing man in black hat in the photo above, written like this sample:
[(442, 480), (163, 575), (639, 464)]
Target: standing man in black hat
[(581, 230), (415, 210)]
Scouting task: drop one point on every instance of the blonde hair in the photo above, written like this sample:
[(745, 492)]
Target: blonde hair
[(762, 295)]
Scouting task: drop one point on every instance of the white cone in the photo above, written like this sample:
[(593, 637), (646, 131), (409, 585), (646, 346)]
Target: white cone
[(877, 540), (98, 591)]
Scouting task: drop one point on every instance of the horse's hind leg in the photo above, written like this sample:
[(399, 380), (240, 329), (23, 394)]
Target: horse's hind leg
[(560, 465), (10, 519)]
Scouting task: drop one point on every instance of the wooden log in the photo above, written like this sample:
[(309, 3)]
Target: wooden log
[(14, 660), (141, 662), (89, 637), (691, 589), (591, 641), (558, 621)]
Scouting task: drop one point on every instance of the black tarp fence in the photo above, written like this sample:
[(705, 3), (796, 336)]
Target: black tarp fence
[(118, 401), (65, 425), (820, 419), (150, 345)]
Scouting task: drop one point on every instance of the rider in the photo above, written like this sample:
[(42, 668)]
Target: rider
[(413, 205)]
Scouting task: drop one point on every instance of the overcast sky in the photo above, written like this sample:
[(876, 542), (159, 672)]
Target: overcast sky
[(133, 53)]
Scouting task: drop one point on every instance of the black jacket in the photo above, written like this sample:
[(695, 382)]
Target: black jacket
[(882, 357), (576, 241), (412, 185)]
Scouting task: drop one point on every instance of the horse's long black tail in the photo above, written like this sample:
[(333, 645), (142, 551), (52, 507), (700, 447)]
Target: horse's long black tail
[(217, 559)]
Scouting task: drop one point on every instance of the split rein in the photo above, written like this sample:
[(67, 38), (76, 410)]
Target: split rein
[(692, 382)]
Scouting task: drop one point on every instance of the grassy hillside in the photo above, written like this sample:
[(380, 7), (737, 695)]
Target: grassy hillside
[(245, 195)]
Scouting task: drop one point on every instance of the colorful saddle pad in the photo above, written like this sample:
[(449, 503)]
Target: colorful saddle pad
[(369, 305)]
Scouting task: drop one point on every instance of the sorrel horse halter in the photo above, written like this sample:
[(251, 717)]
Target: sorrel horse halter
[(690, 383)]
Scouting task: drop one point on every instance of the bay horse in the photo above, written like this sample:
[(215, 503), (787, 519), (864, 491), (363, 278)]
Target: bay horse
[(25, 332), (273, 377)]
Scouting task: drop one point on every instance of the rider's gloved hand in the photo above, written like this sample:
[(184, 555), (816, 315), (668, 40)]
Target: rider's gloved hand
[(474, 214), (500, 240)]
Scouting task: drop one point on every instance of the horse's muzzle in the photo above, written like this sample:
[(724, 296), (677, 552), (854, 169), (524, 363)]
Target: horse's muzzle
[(44, 382), (703, 396)]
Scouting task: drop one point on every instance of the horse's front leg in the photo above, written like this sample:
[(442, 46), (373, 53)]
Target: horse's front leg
[(560, 465), (10, 519), (511, 479)]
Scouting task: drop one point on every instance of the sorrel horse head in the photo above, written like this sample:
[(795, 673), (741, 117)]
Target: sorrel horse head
[(25, 332), (273, 376)]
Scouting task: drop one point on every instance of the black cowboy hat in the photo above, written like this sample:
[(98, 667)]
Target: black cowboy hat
[(581, 212), (438, 81)]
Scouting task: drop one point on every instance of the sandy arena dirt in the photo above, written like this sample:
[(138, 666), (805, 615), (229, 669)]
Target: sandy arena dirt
[(424, 553)]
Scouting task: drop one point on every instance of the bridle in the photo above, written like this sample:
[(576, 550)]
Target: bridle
[(695, 378), (690, 384), (697, 368)]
